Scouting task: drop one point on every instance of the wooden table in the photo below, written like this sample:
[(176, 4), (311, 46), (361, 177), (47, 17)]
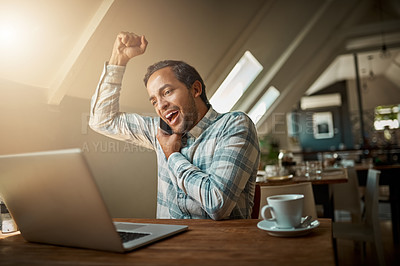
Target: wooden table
[(207, 242), (322, 191)]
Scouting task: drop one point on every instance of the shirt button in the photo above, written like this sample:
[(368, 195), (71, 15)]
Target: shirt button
[(180, 196), (111, 74)]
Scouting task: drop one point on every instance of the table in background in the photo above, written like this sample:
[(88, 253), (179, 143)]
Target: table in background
[(207, 242), (321, 188)]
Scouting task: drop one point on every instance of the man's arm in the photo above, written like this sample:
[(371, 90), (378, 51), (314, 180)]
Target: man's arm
[(105, 117), (235, 161)]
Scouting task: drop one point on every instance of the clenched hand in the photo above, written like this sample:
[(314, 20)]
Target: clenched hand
[(169, 143), (126, 46)]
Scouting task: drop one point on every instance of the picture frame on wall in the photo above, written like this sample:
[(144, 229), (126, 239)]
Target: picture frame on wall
[(323, 125)]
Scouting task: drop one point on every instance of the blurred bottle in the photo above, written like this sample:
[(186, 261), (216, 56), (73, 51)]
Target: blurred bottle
[(286, 162)]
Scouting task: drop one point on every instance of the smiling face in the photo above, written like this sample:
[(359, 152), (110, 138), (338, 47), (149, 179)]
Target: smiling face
[(173, 101)]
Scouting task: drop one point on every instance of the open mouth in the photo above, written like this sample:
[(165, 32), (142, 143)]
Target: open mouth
[(171, 116)]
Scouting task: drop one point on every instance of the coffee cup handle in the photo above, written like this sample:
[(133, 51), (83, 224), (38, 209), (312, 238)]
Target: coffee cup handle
[(263, 213)]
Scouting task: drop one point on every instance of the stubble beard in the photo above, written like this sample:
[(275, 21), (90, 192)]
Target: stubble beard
[(189, 117)]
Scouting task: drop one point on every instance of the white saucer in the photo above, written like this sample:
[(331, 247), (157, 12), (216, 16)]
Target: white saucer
[(280, 232)]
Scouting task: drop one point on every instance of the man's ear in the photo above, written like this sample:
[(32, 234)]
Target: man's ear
[(197, 88)]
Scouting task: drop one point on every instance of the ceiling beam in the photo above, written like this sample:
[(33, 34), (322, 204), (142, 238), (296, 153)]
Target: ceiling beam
[(74, 61), (235, 52), (330, 42), (372, 36), (247, 103)]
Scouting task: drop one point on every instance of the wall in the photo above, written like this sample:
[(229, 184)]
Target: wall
[(126, 175), (342, 137), (379, 91)]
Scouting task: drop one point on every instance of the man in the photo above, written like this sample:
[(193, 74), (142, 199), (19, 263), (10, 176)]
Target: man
[(207, 167)]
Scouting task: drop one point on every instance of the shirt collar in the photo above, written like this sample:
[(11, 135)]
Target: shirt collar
[(204, 123)]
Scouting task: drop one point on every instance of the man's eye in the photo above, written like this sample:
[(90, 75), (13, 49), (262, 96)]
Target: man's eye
[(154, 103)]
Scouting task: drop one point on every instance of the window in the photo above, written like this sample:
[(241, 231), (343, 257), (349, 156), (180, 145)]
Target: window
[(263, 104), (386, 116), (236, 83)]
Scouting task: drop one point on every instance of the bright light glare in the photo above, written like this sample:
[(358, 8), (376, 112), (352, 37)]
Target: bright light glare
[(263, 104), (7, 34), (236, 83), (381, 124)]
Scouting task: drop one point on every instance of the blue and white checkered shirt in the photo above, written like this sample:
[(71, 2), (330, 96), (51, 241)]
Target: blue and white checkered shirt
[(213, 176)]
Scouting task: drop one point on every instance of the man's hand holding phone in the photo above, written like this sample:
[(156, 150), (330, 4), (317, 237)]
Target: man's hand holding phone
[(170, 142)]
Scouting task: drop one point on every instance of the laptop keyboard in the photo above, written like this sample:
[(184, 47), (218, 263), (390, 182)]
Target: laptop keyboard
[(128, 236)]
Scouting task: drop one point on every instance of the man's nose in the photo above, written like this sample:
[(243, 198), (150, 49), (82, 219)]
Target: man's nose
[(162, 104)]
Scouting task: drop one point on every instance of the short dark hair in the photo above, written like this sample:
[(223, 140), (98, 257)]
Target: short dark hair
[(184, 72)]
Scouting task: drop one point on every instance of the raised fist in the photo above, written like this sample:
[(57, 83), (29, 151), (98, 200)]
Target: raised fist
[(126, 46)]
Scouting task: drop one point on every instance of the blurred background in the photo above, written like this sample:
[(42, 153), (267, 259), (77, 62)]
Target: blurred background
[(339, 57)]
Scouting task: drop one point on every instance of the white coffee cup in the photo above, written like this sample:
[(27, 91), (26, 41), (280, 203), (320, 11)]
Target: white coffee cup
[(286, 210)]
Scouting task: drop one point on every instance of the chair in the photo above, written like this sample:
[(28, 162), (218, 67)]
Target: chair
[(368, 229), (256, 207), (304, 188), (346, 196)]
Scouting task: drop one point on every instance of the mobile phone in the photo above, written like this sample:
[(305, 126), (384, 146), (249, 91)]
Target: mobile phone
[(164, 126)]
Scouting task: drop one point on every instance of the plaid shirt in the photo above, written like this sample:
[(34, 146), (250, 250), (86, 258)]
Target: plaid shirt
[(213, 176)]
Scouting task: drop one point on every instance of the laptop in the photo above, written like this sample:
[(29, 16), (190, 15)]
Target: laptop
[(54, 199)]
